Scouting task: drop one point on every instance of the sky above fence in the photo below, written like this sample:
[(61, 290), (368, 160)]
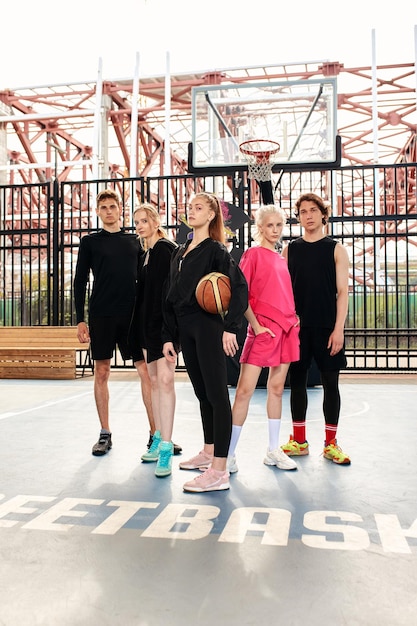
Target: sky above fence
[(46, 42)]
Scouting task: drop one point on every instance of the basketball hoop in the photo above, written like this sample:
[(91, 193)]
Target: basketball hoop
[(258, 153)]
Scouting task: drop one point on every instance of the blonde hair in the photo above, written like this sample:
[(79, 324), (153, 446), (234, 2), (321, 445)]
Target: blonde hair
[(154, 217), (261, 215), (216, 226)]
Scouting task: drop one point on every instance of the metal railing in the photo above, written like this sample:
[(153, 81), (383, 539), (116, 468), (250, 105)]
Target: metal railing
[(373, 215)]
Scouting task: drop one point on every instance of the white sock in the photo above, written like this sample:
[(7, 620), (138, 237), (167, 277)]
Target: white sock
[(273, 430), (236, 430)]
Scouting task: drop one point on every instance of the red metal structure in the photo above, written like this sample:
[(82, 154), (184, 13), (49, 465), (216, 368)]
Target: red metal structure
[(84, 130), (59, 143), (112, 129)]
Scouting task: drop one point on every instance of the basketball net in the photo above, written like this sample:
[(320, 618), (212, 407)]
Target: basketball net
[(258, 155)]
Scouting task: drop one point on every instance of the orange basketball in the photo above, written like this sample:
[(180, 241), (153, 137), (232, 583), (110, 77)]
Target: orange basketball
[(213, 293)]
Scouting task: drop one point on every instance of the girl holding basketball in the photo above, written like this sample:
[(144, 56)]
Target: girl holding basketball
[(205, 338), (272, 336), (145, 332)]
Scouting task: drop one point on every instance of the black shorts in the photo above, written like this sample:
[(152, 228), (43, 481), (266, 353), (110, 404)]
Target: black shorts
[(313, 343), (107, 333), (135, 340)]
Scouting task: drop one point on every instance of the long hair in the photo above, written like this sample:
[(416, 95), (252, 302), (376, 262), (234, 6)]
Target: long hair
[(216, 226), (262, 213), (155, 218)]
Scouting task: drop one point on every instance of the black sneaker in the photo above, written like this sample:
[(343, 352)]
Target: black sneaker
[(103, 445), (177, 448)]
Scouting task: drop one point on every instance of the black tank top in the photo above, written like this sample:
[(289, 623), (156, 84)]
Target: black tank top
[(313, 274)]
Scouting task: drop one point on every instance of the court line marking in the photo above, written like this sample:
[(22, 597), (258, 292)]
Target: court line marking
[(42, 406)]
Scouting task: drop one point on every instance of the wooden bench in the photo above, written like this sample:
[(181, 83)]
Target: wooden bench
[(42, 352)]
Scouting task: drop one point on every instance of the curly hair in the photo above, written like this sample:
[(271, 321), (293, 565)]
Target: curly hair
[(319, 202)]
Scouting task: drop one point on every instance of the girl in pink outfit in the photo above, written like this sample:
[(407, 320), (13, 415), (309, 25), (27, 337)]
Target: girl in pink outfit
[(272, 336)]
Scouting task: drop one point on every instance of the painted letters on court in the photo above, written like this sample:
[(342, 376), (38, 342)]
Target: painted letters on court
[(330, 530)]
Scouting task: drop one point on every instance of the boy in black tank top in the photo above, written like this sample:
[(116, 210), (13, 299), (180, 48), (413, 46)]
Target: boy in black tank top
[(319, 269)]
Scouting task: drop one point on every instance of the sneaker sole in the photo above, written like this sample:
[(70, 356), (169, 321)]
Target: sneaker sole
[(100, 452), (163, 474), (293, 453), (287, 469), (97, 453), (149, 460), (222, 487), (329, 458)]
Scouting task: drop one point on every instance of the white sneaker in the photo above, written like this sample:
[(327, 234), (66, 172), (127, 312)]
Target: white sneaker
[(231, 466), (280, 459)]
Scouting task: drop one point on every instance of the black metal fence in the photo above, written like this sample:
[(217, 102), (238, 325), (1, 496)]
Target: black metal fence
[(373, 214)]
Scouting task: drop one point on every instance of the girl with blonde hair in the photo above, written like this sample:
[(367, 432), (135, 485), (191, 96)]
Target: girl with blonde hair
[(272, 335), (146, 331)]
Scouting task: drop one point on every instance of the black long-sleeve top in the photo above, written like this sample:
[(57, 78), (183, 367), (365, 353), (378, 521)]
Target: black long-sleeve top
[(147, 319), (185, 273), (113, 259)]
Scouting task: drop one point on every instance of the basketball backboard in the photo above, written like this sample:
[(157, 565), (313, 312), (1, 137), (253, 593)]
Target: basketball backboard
[(299, 115)]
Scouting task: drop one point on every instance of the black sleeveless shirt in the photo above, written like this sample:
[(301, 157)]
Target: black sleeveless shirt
[(313, 274)]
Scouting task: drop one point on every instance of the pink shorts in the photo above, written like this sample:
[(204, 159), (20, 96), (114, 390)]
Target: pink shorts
[(266, 351)]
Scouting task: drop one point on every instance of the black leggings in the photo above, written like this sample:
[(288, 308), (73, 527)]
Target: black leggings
[(201, 337), (298, 396)]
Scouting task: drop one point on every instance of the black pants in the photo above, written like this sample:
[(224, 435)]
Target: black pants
[(202, 348), (299, 398), (313, 343)]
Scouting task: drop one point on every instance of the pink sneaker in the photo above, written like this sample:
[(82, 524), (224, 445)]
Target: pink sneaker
[(211, 480), (201, 461)]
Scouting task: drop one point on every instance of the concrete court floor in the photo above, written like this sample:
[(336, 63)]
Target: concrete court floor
[(87, 541)]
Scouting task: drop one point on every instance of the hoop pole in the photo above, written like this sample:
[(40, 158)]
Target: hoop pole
[(267, 192)]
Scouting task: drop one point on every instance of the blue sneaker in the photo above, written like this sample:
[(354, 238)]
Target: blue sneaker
[(177, 447), (164, 465), (152, 454)]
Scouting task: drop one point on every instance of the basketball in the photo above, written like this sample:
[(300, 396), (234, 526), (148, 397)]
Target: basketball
[(213, 293)]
